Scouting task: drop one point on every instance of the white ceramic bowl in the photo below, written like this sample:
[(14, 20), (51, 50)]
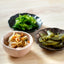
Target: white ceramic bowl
[(16, 52)]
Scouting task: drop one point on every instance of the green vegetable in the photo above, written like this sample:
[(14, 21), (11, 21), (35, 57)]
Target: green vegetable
[(60, 45), (51, 39), (25, 22), (50, 34), (51, 42)]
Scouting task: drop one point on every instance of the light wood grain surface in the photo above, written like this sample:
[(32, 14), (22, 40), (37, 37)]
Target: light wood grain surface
[(52, 15)]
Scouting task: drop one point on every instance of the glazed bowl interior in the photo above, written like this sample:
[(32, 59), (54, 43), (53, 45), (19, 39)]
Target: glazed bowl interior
[(55, 31)]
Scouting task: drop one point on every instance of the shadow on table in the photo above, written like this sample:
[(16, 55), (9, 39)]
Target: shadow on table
[(54, 55), (30, 58)]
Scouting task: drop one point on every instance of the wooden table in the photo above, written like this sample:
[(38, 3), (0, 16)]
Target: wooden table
[(52, 15)]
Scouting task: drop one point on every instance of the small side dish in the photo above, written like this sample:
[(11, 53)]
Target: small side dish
[(17, 43), (51, 38), (25, 22), (17, 40)]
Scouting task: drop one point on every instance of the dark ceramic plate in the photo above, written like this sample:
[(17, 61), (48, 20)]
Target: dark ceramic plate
[(11, 21), (54, 30)]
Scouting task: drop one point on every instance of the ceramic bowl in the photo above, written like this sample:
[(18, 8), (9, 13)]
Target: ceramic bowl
[(11, 21), (16, 52), (55, 31)]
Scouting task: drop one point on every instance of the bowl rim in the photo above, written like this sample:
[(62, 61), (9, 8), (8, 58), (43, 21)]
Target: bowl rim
[(31, 41)]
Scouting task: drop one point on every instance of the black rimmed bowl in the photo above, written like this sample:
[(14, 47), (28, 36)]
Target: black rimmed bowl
[(11, 21), (55, 31)]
